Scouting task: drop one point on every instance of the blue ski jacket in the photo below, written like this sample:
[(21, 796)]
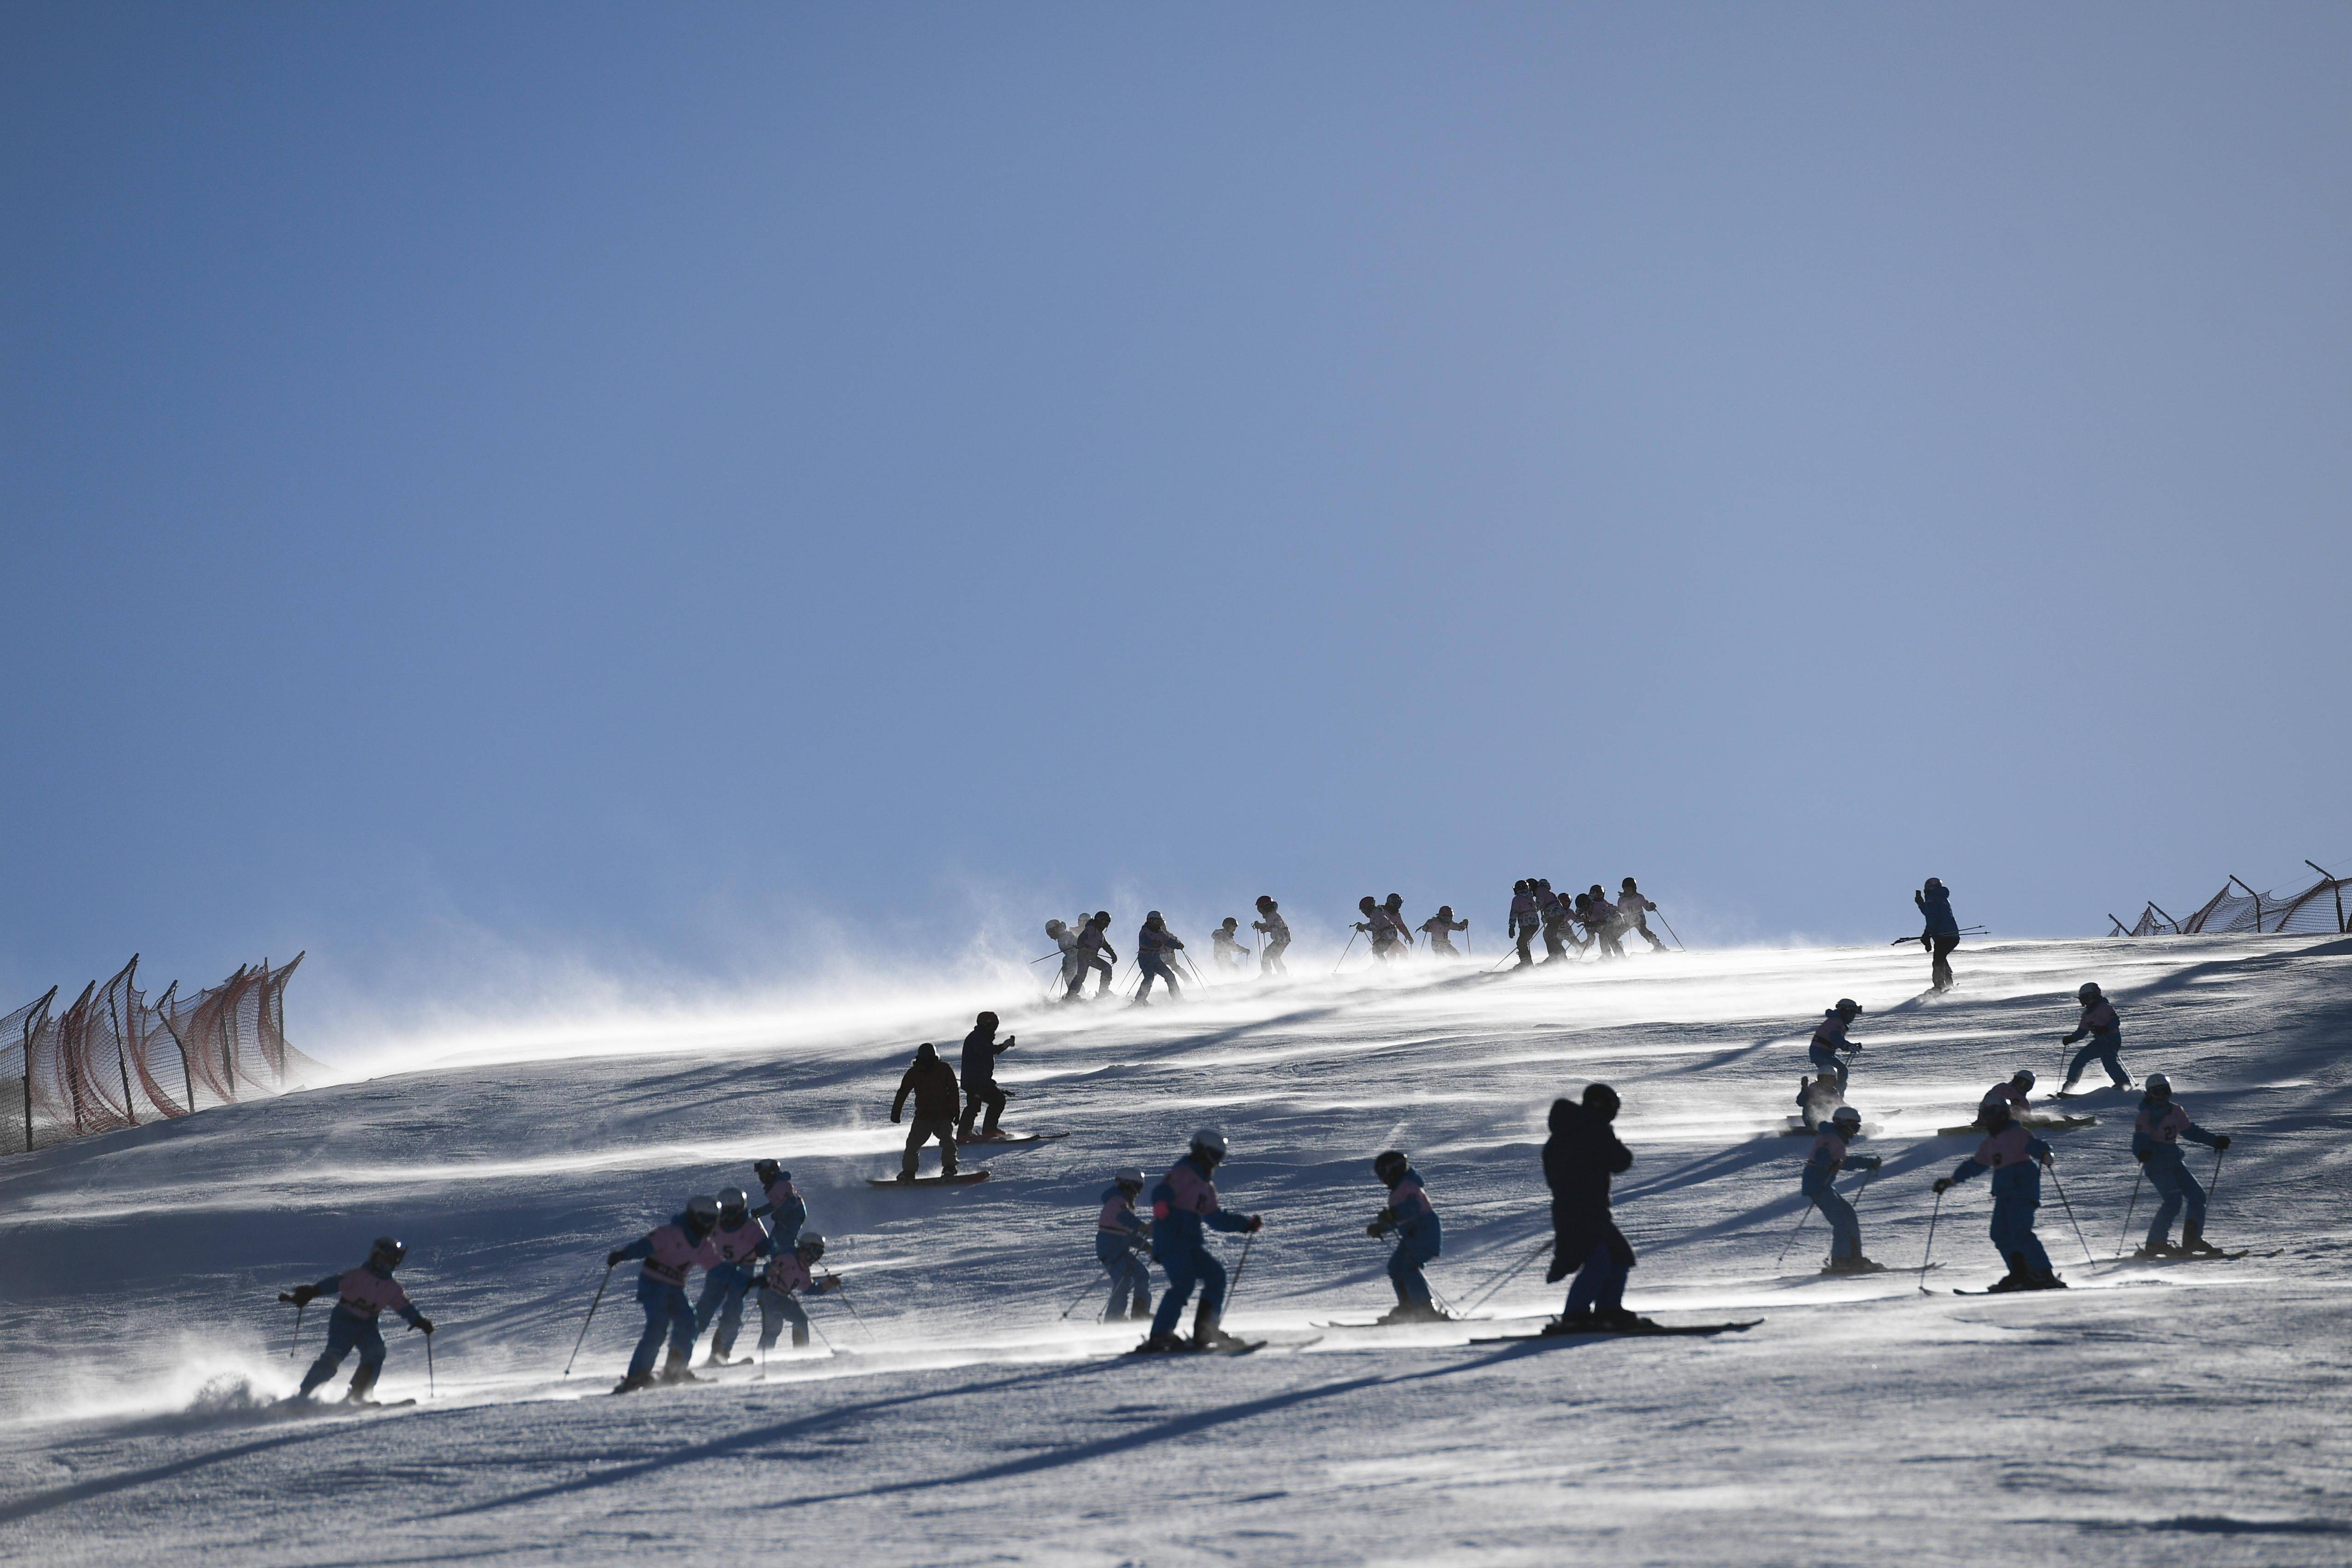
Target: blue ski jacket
[(2014, 1156), (2161, 1125), (1184, 1209), (1936, 907)]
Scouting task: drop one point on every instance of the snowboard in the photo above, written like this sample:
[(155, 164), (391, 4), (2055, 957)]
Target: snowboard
[(962, 1178), (2044, 1291), (1000, 1139), (1652, 1330)]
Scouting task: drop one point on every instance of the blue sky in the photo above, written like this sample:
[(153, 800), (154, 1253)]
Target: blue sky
[(696, 488)]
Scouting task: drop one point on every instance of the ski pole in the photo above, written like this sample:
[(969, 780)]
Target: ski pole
[(2214, 1185), (843, 1293), (1485, 1292), (590, 1318), (1083, 1292), (1344, 951), (1235, 1283), (1930, 1252), (2124, 1238), (2070, 1216), (430, 1390), (300, 1309), (1043, 956), (1669, 931), (1810, 1203)]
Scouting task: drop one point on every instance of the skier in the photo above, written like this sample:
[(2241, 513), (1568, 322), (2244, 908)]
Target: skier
[(2155, 1144), (1183, 1210), (728, 1270), (1074, 964), (1551, 918), (981, 1049), (1604, 923), (1943, 930), (2016, 1091), (2015, 1158), (785, 1210), (668, 1251), (1635, 909), (360, 1294), (1094, 944), (1277, 936), (2106, 1032), (1374, 925), (1420, 1237), (1522, 925), (1154, 943), (1440, 928), (1122, 1242), (932, 1082), (1578, 1159), (1819, 1185), (1225, 947), (1400, 933), (788, 1271), (1829, 1039), (1818, 1100)]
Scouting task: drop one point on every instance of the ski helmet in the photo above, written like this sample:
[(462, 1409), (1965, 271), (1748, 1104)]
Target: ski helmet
[(1209, 1141), (1128, 1178), (1265, 901), (1992, 1109), (1446, 909), (1152, 918), (988, 1019), (1393, 900), (927, 1051), (1602, 1100), (2088, 994), (1520, 885), (702, 1211), (2022, 1078), (1365, 903), (811, 1246), (1055, 928), (1847, 1005), (2158, 1084), (1629, 885), (388, 1250), (1390, 1166), (1847, 1120), (1936, 881), (733, 1202), (1232, 921), (1103, 916), (767, 1171)]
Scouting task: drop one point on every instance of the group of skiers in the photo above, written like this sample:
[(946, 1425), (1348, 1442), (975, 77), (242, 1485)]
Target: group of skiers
[(1589, 923)]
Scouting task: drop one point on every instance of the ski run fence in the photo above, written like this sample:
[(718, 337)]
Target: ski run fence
[(114, 1058), (2237, 908)]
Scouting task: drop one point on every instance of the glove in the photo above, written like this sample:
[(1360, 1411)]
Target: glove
[(1009, 1041), (613, 1258), (830, 1282), (1943, 1185), (1875, 1162), (301, 1295), (2220, 1143), (894, 1118), (2140, 1154), (423, 1324), (2048, 1159), (1257, 1224), (1375, 1230)]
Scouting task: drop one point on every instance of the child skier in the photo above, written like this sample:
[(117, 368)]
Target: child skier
[(1523, 924), (1122, 1241), (1225, 946), (2017, 1090), (1277, 936), (2155, 1144), (1440, 928), (1821, 1167), (2015, 1158), (1634, 909), (360, 1294), (728, 1270), (1828, 1040), (667, 1251), (1419, 1238), (2106, 1032), (1818, 1100), (1184, 1209), (789, 1271), (1155, 950), (785, 1210)]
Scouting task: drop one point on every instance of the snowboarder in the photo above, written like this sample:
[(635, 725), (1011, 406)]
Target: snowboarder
[(1821, 1167), (360, 1294), (1578, 1159), (1122, 1242), (1184, 1209), (1277, 936), (1094, 944), (728, 1270), (1818, 1100), (1420, 1237), (2155, 1144), (1225, 946), (2106, 1032), (1942, 933), (1551, 918), (1828, 1040), (1440, 928), (667, 1252), (981, 1049), (1154, 945), (785, 1210), (1604, 923), (932, 1082), (788, 1271), (1635, 910), (2015, 1158)]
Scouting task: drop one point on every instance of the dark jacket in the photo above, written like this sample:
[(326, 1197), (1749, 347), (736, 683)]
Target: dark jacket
[(932, 1082), (981, 1050), (1935, 908), (1580, 1156)]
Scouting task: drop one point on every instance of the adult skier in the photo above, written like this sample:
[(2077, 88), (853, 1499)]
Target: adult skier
[(788, 1271), (1819, 1184), (1634, 909), (1094, 943), (1440, 928), (728, 1256), (360, 1295), (932, 1082), (1184, 1209), (1524, 922), (1551, 918), (1942, 933), (1828, 1040), (1419, 1234), (1155, 948), (1578, 1159), (2155, 1144), (785, 1210), (2015, 1158), (667, 1252), (1277, 936), (1122, 1242), (981, 1049), (2106, 1032), (1225, 946)]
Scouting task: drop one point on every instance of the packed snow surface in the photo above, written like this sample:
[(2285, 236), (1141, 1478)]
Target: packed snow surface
[(2153, 1413)]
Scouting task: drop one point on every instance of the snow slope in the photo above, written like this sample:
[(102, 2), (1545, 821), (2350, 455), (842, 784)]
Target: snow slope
[(2154, 1413)]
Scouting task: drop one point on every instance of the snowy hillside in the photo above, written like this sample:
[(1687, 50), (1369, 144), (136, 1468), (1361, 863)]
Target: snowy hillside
[(2194, 1413)]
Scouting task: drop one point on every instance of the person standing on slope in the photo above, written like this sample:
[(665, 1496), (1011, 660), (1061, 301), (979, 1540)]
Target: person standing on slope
[(932, 1082), (667, 1251), (1523, 924), (1607, 925), (1400, 933), (1551, 919), (1635, 909), (981, 1049), (1828, 1040), (2015, 1158), (1374, 926), (1074, 960), (1420, 1237), (728, 1257), (1819, 1184), (1440, 928), (1942, 933), (1225, 946), (2106, 1032), (1578, 1159), (360, 1295), (1122, 1242), (1818, 1100), (1094, 943), (785, 1210), (788, 1271), (2155, 1144), (1155, 949), (1277, 936), (1184, 1209)]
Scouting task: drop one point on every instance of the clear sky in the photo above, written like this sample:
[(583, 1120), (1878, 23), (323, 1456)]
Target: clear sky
[(686, 488)]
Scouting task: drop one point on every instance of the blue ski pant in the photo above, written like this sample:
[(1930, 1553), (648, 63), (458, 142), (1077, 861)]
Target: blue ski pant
[(1195, 1265), (1599, 1285), (1130, 1276), (2104, 1049), (2012, 1234), (1405, 1267), (2171, 1177), (347, 1330), (723, 1297), (1845, 1230), (776, 1309), (1156, 968), (668, 1315), (1825, 1060)]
